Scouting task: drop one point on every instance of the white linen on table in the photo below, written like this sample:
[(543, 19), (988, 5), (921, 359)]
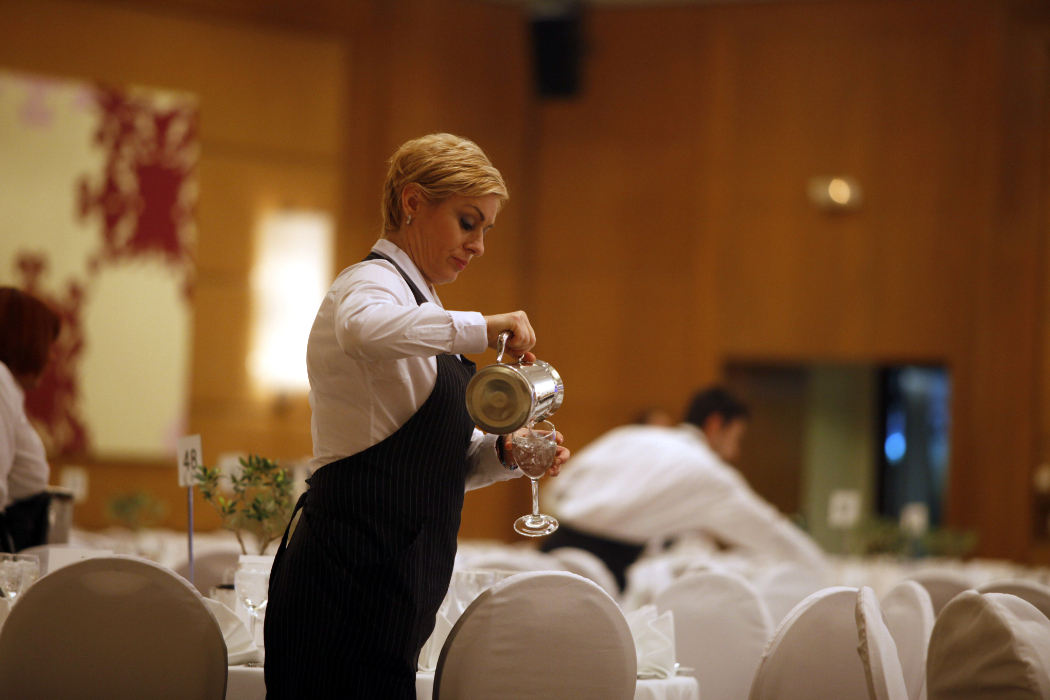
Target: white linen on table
[(240, 647), (654, 644)]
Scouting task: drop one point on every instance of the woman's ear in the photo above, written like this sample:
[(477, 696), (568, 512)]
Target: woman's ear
[(411, 197)]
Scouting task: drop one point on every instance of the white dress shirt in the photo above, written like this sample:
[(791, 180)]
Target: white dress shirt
[(372, 361), (23, 462), (637, 483)]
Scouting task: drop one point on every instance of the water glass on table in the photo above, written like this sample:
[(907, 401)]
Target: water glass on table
[(252, 585)]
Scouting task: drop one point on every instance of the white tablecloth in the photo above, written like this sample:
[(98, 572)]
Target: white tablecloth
[(247, 684)]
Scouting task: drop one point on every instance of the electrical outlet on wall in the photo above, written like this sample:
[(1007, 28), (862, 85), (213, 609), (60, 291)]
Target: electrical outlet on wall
[(76, 480)]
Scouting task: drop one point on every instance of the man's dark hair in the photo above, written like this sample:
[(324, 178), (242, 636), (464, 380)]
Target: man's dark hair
[(718, 400)]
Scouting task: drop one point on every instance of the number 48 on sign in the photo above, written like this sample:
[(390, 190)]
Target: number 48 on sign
[(189, 457)]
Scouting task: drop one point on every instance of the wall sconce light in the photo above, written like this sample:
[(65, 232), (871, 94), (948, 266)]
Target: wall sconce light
[(292, 274), (834, 193)]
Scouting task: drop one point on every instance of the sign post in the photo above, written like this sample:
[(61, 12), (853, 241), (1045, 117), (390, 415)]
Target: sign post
[(189, 458)]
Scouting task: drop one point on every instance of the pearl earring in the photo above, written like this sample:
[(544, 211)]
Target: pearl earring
[(409, 223)]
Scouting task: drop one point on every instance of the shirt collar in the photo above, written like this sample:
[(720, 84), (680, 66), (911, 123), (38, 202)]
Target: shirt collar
[(390, 249), (8, 377), (693, 432)]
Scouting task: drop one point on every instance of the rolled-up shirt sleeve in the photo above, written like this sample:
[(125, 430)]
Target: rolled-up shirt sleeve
[(483, 465), (372, 324)]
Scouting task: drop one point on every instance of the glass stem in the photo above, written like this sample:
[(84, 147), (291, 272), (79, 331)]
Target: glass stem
[(535, 498), (253, 626)]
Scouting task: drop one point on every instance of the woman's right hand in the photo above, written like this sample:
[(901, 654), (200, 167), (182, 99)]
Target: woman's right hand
[(522, 337)]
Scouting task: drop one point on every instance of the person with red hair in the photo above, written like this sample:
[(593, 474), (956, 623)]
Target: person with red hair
[(28, 331)]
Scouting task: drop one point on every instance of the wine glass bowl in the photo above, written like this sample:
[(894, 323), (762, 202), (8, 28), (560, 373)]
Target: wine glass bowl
[(10, 577), (534, 450)]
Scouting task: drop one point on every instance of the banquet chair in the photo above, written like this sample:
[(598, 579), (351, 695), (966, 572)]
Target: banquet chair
[(942, 585), (878, 651), (909, 616), (721, 627), (814, 652), (119, 628), (988, 645), (583, 563), (785, 585), (1035, 593), (550, 635)]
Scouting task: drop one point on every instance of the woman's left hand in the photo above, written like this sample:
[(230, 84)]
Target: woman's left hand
[(560, 457)]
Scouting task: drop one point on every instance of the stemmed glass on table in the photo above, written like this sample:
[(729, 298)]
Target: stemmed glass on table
[(252, 585), (17, 573), (534, 452)]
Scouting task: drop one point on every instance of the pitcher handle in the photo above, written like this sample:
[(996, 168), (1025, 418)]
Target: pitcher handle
[(501, 346)]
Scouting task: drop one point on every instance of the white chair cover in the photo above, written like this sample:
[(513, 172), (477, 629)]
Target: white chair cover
[(909, 616), (942, 585), (878, 652), (550, 635), (785, 585), (119, 628), (583, 563), (54, 556), (721, 627), (511, 559), (814, 652), (1035, 593), (988, 646)]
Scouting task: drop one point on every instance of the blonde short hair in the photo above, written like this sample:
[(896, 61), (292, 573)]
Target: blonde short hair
[(441, 165)]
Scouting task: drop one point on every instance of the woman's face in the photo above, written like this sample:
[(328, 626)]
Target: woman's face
[(442, 238)]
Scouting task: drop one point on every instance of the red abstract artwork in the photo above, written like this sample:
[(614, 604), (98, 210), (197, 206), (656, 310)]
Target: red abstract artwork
[(145, 199), (143, 202)]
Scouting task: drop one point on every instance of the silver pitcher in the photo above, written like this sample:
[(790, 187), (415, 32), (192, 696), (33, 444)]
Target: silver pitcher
[(504, 397)]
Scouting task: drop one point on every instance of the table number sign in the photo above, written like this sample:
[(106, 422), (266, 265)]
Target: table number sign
[(189, 458)]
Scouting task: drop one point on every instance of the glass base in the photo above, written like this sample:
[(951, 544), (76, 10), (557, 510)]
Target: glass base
[(535, 525)]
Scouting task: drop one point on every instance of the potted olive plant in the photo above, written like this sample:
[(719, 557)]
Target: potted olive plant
[(260, 502)]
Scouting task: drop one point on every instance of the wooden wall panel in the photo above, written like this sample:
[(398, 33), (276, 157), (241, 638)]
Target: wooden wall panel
[(460, 67), (697, 131), (272, 129)]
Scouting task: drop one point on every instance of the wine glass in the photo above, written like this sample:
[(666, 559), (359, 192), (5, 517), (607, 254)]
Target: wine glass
[(534, 452), (10, 577), (30, 566), (252, 586)]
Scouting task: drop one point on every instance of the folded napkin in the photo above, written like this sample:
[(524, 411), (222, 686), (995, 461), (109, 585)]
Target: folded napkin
[(240, 647), (653, 642), (431, 651)]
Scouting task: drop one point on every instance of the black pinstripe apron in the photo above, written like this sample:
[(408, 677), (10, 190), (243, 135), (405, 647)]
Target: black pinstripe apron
[(354, 592)]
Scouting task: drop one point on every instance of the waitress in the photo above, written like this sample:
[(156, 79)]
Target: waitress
[(368, 555)]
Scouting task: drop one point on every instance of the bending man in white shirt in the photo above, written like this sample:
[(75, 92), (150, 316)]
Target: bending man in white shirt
[(640, 482)]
